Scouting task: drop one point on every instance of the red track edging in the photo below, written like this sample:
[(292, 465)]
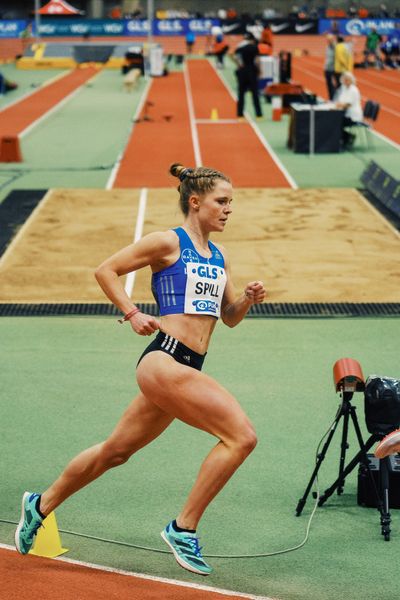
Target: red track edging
[(154, 145), (18, 117)]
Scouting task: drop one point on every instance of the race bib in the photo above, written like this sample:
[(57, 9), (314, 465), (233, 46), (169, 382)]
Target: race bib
[(205, 286)]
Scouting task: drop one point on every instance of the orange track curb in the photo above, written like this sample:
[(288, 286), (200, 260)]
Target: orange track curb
[(16, 118)]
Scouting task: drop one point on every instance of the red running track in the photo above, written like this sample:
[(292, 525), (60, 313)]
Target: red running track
[(381, 86), (16, 118), (313, 44), (154, 145), (234, 148)]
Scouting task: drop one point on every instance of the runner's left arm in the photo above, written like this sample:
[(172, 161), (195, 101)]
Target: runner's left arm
[(234, 309)]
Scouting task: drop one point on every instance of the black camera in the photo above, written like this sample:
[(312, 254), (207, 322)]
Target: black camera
[(382, 404)]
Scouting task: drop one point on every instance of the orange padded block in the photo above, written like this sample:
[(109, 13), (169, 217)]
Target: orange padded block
[(280, 89), (10, 150), (348, 376)]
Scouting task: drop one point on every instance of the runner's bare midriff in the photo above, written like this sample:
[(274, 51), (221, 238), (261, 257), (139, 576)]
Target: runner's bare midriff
[(192, 330)]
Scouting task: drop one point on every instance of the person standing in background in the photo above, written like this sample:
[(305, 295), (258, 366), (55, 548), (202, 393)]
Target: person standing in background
[(372, 43), (343, 60), (267, 38), (190, 40), (329, 66), (246, 59), (27, 37)]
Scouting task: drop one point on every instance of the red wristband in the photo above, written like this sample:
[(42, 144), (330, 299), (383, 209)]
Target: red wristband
[(129, 315)]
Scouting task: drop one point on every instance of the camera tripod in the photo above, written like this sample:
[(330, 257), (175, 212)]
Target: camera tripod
[(347, 411)]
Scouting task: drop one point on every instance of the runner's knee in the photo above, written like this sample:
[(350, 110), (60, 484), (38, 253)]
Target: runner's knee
[(113, 455), (245, 441)]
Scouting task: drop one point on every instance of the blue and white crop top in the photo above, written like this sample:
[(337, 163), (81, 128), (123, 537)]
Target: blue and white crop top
[(194, 284)]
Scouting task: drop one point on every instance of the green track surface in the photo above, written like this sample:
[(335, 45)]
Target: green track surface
[(27, 81), (65, 382), (77, 145)]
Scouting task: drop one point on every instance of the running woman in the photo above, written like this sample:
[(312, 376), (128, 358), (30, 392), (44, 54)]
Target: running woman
[(192, 285)]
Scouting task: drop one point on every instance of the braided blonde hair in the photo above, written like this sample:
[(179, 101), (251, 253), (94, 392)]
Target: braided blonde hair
[(199, 181)]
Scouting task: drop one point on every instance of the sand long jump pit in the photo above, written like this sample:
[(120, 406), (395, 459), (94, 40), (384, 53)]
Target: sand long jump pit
[(308, 245)]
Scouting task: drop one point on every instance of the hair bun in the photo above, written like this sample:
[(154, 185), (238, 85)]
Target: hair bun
[(178, 170)]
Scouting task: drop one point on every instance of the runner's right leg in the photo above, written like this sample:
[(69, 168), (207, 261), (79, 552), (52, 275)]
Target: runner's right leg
[(141, 423)]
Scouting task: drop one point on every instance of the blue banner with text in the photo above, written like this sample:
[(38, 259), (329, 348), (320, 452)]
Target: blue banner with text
[(12, 29), (358, 26), (72, 26), (76, 26)]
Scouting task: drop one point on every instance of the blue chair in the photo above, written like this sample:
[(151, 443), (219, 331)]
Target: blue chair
[(364, 127)]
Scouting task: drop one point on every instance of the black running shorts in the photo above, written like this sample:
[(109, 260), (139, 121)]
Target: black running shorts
[(181, 353)]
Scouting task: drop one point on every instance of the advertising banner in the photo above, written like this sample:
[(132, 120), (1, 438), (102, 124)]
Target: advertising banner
[(169, 26), (123, 27), (294, 26), (12, 29), (183, 26), (136, 27), (79, 27), (278, 26), (358, 26)]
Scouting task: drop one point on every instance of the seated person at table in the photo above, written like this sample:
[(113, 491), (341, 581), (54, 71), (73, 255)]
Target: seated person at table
[(348, 98)]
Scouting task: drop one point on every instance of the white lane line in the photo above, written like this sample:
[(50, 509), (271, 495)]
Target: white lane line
[(373, 131), (26, 224), (384, 108), (378, 75), (359, 77), (37, 89), (130, 279), (56, 107), (218, 121), (176, 582), (263, 141), (115, 169), (193, 128), (274, 157), (385, 139), (378, 87)]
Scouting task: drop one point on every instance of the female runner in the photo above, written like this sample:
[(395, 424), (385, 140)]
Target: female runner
[(192, 286)]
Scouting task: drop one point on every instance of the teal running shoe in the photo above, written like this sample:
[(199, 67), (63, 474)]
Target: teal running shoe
[(186, 549), (29, 523)]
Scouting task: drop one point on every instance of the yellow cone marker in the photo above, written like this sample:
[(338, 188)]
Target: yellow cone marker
[(48, 542), (214, 114)]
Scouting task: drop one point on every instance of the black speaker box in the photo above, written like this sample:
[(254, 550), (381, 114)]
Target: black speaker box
[(383, 186), (365, 493)]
